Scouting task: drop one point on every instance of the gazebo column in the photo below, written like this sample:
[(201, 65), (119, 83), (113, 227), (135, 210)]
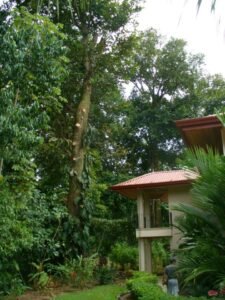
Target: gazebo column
[(140, 209), (145, 255), (144, 244)]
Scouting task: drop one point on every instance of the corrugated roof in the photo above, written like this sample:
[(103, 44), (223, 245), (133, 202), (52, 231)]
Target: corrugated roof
[(158, 179)]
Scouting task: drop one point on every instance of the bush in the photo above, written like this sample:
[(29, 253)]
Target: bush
[(145, 276), (81, 270), (39, 277), (77, 272), (104, 275), (141, 277), (11, 281), (143, 286), (124, 255)]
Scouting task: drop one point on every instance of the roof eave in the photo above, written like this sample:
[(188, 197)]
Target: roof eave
[(200, 123), (149, 185)]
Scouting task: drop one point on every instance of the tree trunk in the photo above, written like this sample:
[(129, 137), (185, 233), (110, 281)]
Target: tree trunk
[(78, 147)]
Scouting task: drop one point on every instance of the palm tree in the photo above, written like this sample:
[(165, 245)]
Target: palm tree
[(213, 4), (202, 255)]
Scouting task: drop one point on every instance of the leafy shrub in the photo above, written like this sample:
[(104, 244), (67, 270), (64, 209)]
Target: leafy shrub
[(77, 272), (39, 277), (81, 270), (141, 277), (104, 275), (62, 272), (10, 278), (17, 286), (124, 255), (144, 287), (145, 276)]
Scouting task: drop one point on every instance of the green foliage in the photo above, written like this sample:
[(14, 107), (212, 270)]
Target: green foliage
[(160, 254), (106, 230), (32, 68), (63, 273), (164, 76), (39, 277), (144, 286), (39, 95), (124, 255), (83, 268), (11, 281), (104, 274), (202, 257), (139, 276)]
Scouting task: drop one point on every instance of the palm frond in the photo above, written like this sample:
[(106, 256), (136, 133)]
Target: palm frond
[(213, 5)]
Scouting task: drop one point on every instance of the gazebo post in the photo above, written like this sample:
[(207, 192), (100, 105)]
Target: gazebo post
[(145, 255), (144, 244)]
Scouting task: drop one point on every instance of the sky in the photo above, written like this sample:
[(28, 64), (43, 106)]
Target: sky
[(204, 31)]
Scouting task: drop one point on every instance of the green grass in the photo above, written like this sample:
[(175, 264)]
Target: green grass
[(104, 292)]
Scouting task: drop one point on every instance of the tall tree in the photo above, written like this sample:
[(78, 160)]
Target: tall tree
[(164, 77), (94, 28), (32, 69)]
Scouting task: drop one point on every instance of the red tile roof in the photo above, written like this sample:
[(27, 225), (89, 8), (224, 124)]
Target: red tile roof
[(157, 179)]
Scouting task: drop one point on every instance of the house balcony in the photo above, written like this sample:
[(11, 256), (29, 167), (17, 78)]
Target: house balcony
[(154, 232)]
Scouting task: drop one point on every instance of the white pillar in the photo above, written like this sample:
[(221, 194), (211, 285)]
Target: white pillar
[(144, 245), (148, 256), (145, 255), (141, 250)]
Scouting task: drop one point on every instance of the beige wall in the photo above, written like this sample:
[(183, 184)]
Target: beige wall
[(180, 194)]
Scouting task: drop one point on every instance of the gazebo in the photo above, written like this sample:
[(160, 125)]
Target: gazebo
[(156, 191)]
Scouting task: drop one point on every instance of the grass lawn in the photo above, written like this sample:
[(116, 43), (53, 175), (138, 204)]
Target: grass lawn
[(104, 292)]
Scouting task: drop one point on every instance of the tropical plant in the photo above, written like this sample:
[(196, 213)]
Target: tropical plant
[(213, 4), (83, 268), (39, 277), (202, 223)]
